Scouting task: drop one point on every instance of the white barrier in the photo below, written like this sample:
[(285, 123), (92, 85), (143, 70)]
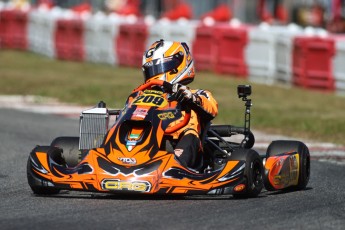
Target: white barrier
[(157, 31), (260, 54), (284, 49), (100, 38), (41, 27), (182, 30), (339, 66), (269, 53)]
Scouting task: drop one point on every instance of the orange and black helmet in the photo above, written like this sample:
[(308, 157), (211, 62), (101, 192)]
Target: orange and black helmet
[(168, 61)]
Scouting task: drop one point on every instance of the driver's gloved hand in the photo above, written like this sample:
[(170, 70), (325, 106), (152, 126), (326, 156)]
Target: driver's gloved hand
[(184, 94)]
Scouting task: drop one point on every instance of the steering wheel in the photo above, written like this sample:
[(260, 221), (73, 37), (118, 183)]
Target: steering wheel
[(168, 87)]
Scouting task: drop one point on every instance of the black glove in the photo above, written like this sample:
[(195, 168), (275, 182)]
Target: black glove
[(184, 94)]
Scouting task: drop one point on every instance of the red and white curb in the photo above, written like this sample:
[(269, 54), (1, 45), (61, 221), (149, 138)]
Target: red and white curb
[(43, 105)]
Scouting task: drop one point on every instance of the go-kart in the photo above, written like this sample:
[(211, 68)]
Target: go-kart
[(135, 155)]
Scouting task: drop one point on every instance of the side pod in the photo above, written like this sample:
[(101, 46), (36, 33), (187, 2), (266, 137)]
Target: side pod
[(287, 165)]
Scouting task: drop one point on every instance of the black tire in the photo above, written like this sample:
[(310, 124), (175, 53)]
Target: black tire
[(70, 149), (35, 183), (282, 146), (253, 172)]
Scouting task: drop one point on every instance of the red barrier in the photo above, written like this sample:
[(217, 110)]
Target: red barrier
[(69, 39), (220, 48), (131, 43), (13, 29), (123, 45), (203, 47), (231, 43), (312, 62)]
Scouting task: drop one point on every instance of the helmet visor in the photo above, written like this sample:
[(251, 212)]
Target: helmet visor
[(162, 65)]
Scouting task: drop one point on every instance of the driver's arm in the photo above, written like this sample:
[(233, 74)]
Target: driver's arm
[(207, 105), (201, 101)]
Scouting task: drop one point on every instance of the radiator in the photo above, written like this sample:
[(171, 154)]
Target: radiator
[(93, 127)]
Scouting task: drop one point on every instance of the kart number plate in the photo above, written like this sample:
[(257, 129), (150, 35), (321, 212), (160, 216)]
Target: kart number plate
[(150, 100)]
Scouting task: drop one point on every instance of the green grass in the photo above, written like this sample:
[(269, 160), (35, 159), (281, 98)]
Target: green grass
[(294, 112)]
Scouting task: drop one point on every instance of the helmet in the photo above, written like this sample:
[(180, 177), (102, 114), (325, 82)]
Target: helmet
[(168, 61)]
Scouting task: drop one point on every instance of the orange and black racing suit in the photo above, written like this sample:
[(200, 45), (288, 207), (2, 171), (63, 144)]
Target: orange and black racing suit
[(187, 139)]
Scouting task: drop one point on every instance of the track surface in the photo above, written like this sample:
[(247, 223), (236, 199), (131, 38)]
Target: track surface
[(321, 206)]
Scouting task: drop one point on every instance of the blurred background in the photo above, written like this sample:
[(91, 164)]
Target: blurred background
[(282, 47), (328, 14)]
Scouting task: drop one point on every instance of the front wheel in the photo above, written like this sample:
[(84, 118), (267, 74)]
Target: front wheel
[(252, 172), (69, 147), (38, 185)]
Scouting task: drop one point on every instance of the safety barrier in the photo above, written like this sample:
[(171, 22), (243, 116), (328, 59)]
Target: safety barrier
[(183, 31), (131, 43), (220, 48), (69, 39), (312, 62), (204, 47), (13, 29), (260, 55), (41, 28), (100, 34), (339, 65), (157, 31), (268, 54), (283, 49), (230, 42)]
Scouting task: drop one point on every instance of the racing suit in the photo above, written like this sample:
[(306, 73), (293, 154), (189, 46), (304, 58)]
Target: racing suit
[(186, 141)]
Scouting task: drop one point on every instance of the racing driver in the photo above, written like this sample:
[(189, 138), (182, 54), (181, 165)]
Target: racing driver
[(172, 61)]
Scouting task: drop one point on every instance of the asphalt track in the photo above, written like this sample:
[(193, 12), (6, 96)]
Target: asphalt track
[(320, 206)]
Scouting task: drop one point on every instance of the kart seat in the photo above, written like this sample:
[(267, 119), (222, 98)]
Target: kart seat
[(169, 146)]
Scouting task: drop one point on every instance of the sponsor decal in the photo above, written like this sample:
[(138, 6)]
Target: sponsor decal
[(134, 136), (166, 116), (149, 91), (132, 141), (127, 160), (288, 174), (140, 113), (117, 185), (151, 51)]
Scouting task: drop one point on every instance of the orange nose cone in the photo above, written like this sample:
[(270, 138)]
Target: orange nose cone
[(239, 187)]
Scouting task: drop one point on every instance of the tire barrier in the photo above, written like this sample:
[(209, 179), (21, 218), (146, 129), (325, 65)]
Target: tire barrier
[(289, 55)]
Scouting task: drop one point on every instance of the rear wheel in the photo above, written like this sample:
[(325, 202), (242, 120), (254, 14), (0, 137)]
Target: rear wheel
[(282, 146), (69, 147), (253, 172)]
